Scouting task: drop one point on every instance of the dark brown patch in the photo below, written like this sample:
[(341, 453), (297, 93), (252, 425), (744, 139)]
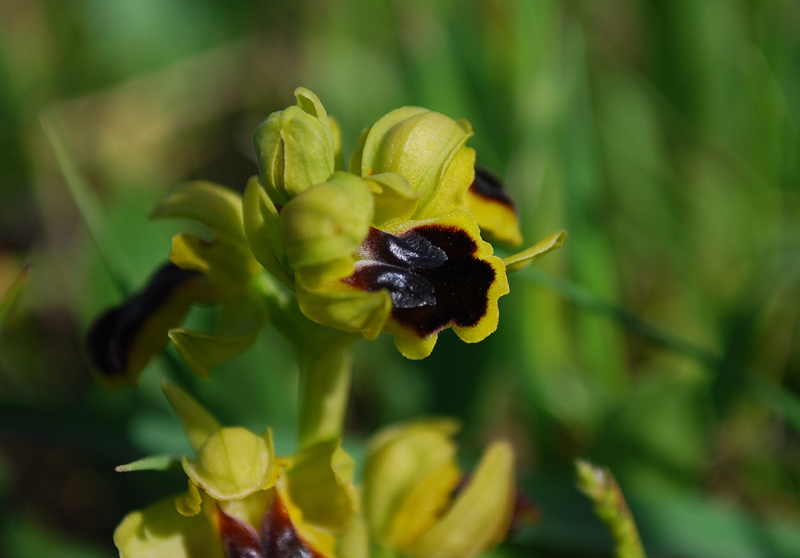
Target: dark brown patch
[(239, 540), (279, 538), (431, 273), (110, 337), (489, 187)]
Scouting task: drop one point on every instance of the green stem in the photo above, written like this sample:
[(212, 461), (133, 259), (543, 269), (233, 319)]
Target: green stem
[(323, 355), (610, 506), (324, 393)]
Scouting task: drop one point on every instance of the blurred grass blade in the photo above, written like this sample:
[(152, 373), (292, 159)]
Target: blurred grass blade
[(586, 300), (88, 206), (610, 506), (12, 296), (774, 396)]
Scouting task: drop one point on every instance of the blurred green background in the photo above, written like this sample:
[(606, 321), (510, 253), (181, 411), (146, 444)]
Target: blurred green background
[(663, 340)]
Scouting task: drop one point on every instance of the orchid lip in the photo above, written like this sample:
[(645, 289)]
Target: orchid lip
[(277, 535), (111, 336), (432, 274)]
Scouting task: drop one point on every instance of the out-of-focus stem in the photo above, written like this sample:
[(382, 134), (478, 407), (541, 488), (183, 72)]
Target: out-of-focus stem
[(609, 505), (325, 375), (323, 355)]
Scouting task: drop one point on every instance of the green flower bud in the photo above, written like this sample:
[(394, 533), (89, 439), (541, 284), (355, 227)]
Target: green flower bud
[(295, 148), (427, 149)]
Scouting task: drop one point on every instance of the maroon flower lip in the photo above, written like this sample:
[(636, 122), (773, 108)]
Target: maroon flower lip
[(489, 187), (432, 273), (277, 536), (111, 336)]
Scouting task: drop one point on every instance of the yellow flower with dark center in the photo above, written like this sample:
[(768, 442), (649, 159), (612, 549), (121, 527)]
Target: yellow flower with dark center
[(393, 246), (242, 499)]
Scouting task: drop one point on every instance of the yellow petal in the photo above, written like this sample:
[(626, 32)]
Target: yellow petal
[(399, 459), (525, 258), (249, 509), (423, 507), (320, 483), (190, 502), (314, 538), (232, 463), (160, 531), (353, 542), (338, 305), (480, 516), (493, 207), (394, 198)]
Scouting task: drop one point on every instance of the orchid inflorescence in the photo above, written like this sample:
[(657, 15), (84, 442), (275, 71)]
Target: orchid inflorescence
[(394, 245)]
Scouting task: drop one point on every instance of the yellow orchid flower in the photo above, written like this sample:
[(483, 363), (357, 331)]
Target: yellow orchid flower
[(418, 503), (242, 499), (392, 246)]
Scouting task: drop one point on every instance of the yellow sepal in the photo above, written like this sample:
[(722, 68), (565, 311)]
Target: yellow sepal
[(525, 258)]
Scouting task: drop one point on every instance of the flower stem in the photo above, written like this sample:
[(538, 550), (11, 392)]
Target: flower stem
[(326, 368), (324, 393), (609, 505)]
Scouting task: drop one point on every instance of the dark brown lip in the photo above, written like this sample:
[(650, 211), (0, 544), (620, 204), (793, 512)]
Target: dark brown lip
[(431, 273)]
